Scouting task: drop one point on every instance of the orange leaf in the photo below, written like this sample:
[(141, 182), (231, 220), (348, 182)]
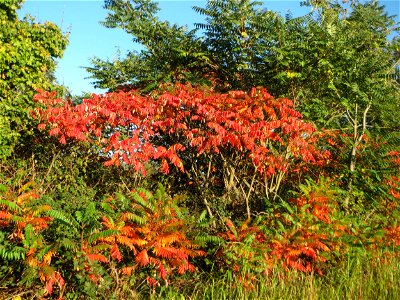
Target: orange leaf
[(28, 195), (127, 270), (48, 256), (5, 215), (162, 271), (151, 281), (97, 257), (54, 131), (142, 258), (115, 253)]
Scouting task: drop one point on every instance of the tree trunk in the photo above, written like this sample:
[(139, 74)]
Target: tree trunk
[(357, 139)]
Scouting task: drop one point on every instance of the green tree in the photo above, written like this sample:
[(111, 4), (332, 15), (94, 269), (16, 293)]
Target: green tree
[(28, 51), (319, 59), (229, 53), (170, 53), (340, 67), (238, 35), (335, 59)]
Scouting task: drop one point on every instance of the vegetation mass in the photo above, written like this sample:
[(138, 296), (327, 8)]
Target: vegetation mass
[(255, 156)]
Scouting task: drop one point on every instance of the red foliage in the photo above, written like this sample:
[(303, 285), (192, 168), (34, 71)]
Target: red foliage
[(248, 250), (238, 235), (129, 128), (318, 204), (392, 236), (158, 241), (17, 212), (394, 181), (52, 279), (301, 251)]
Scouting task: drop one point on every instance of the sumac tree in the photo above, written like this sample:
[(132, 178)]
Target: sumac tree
[(241, 144)]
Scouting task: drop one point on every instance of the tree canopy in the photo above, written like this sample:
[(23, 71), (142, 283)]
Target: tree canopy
[(326, 61), (171, 53)]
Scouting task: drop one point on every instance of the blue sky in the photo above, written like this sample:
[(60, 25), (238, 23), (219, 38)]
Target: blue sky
[(88, 38)]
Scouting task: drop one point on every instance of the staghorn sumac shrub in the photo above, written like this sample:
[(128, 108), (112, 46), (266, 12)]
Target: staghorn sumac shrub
[(23, 222), (391, 235), (106, 248), (124, 240), (236, 146), (302, 235), (249, 251), (243, 252), (393, 180), (149, 234)]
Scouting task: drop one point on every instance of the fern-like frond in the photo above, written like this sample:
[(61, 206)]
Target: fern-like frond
[(195, 253), (128, 270), (43, 251), (61, 216), (26, 186), (16, 253), (293, 253), (144, 203), (5, 215), (39, 209), (320, 246), (26, 197), (48, 256), (10, 205), (172, 225), (162, 272), (100, 247), (131, 242), (68, 244), (202, 220), (168, 239), (169, 252), (108, 222), (186, 266), (128, 216), (40, 223), (115, 253), (102, 234), (203, 239)]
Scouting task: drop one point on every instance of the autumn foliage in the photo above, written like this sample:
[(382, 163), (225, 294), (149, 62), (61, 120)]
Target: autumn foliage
[(239, 142), (234, 151), (132, 129), (148, 234), (257, 157), (152, 231), (25, 221)]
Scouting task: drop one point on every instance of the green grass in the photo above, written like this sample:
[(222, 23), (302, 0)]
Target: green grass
[(356, 278)]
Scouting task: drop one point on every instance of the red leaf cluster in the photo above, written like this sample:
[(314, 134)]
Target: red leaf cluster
[(17, 212), (302, 251), (133, 129), (159, 241)]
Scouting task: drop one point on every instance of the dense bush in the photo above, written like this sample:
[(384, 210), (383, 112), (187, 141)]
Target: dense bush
[(161, 185), (73, 240)]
